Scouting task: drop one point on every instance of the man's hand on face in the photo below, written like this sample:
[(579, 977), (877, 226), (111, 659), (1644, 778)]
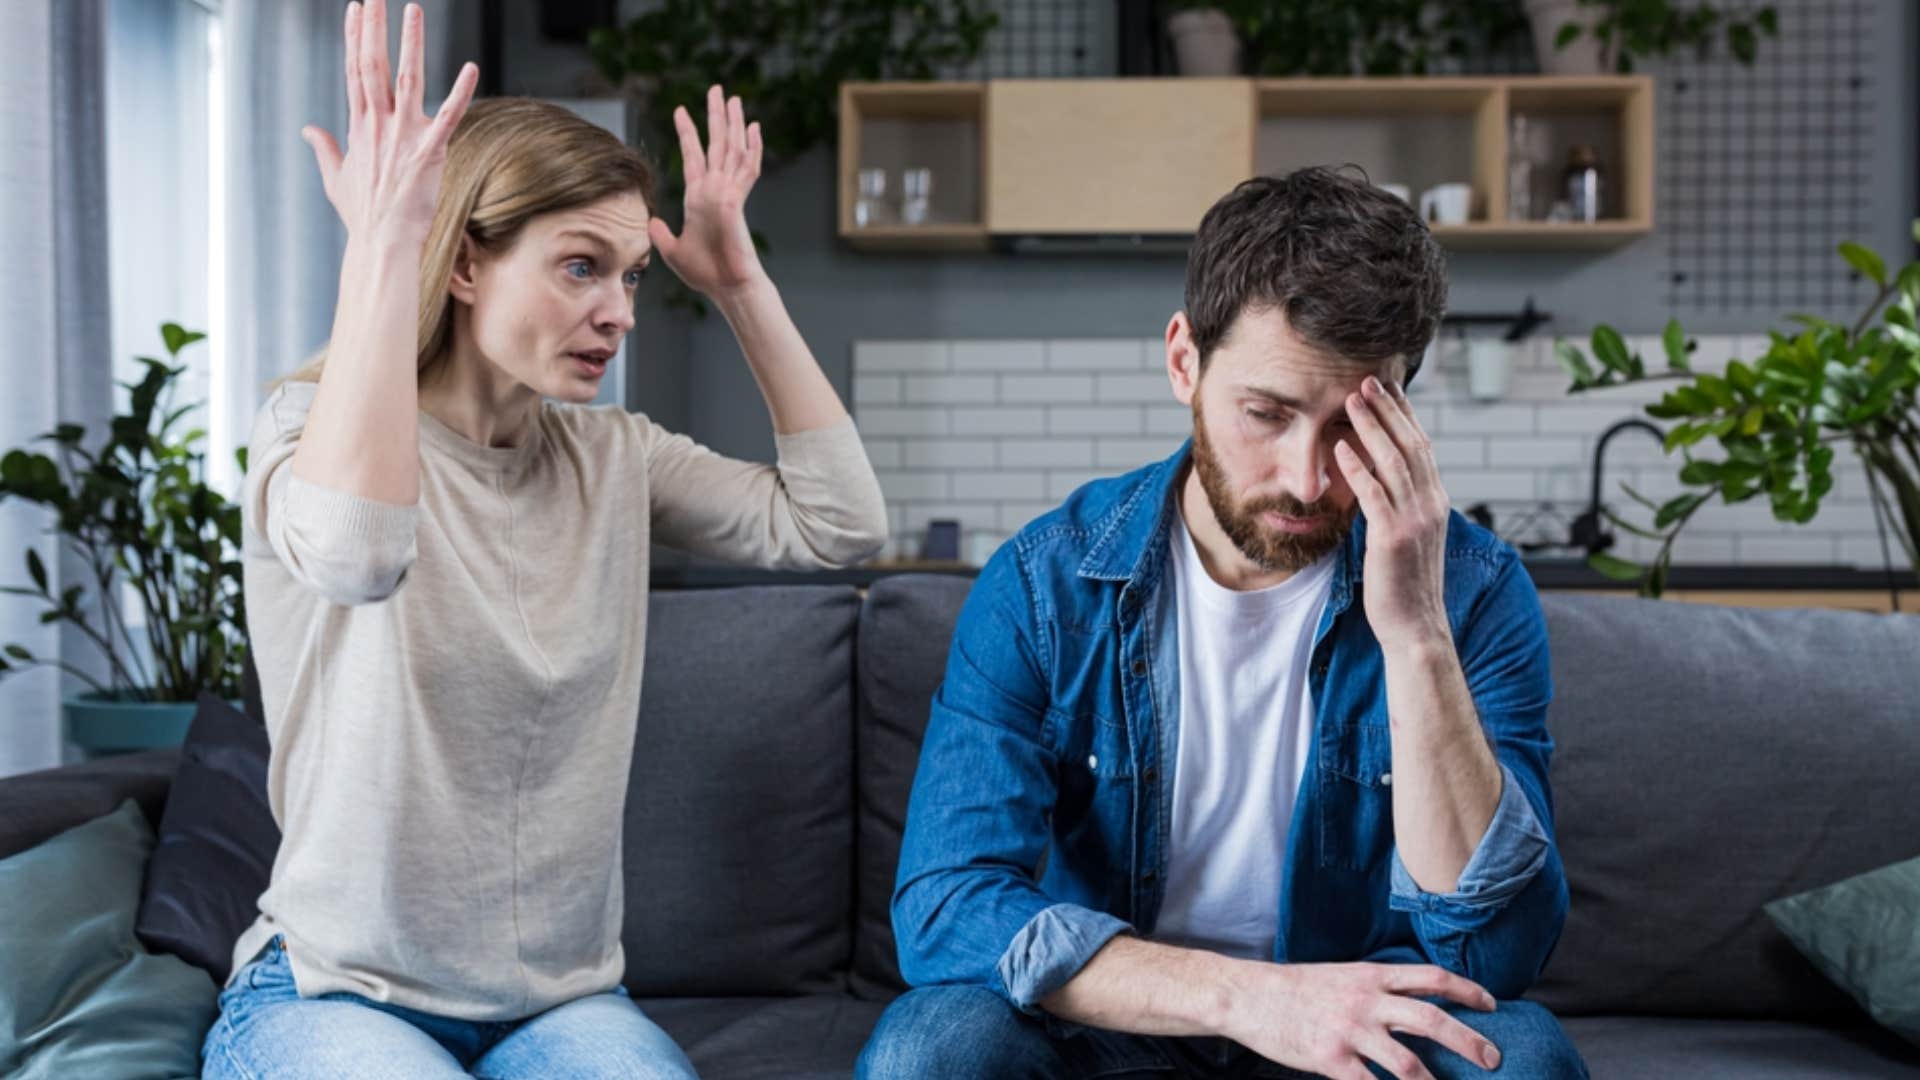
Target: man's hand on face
[(1406, 509)]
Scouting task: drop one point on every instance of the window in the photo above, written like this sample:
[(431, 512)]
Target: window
[(164, 172)]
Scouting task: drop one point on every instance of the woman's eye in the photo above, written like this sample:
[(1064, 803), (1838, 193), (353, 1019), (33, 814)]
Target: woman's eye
[(580, 264), (634, 277)]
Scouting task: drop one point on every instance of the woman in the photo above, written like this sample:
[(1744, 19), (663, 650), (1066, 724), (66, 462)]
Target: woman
[(446, 580)]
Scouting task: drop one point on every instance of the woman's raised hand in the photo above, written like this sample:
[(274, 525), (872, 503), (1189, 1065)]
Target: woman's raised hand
[(388, 181)]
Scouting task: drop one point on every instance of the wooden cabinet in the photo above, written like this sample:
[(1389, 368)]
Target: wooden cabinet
[(1147, 157), (1076, 156), (1876, 602)]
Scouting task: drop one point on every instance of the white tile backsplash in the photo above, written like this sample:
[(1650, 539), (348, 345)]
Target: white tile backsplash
[(995, 433)]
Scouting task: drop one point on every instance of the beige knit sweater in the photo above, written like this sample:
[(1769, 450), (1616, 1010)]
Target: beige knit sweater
[(451, 687)]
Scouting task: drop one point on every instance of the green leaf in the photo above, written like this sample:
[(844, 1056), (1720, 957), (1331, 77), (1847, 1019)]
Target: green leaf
[(1683, 435), (178, 338), (1675, 340), (1741, 377), (1865, 261), (1656, 582), (1565, 35), (36, 569), (1575, 362), (1611, 349), (1700, 472), (1677, 508), (19, 653), (1717, 390), (1614, 567), (1755, 416)]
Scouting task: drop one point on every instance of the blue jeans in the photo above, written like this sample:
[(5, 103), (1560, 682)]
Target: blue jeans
[(972, 1033), (266, 1029)]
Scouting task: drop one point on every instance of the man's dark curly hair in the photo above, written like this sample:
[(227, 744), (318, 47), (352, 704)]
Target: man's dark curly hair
[(1354, 269)]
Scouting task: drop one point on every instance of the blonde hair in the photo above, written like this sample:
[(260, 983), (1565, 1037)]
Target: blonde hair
[(510, 160)]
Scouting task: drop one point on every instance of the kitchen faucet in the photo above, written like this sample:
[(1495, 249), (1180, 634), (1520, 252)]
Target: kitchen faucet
[(1589, 531)]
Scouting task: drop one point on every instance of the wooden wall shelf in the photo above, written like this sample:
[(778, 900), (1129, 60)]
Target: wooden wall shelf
[(1065, 157)]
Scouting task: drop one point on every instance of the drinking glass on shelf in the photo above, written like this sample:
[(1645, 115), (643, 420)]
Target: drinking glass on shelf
[(916, 195), (871, 208), (1528, 150)]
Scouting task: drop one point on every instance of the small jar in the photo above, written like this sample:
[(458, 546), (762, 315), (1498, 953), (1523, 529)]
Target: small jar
[(1583, 183)]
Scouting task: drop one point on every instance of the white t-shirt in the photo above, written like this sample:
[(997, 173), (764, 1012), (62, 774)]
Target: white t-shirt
[(1246, 721)]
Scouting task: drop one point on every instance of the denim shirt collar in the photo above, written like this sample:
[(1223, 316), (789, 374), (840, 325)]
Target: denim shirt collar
[(1130, 544)]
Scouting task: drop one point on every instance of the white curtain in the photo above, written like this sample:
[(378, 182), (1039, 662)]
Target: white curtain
[(282, 68), (57, 362)]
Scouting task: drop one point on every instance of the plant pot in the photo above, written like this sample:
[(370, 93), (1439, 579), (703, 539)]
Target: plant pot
[(1583, 55), (1204, 43), (101, 725)]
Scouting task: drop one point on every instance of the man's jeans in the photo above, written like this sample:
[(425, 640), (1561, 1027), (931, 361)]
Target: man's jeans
[(972, 1033), (267, 1030)]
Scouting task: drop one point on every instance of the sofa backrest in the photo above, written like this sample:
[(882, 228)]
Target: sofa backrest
[(739, 820), (905, 628), (1710, 759)]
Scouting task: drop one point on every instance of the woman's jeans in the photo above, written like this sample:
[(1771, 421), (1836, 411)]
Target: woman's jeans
[(267, 1030)]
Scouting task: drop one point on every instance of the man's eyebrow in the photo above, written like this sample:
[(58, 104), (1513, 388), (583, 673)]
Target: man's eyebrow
[(600, 242)]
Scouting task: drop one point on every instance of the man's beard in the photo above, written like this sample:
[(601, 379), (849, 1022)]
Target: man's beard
[(1267, 547)]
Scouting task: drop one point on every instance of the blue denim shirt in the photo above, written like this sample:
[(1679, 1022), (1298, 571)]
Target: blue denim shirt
[(1038, 822)]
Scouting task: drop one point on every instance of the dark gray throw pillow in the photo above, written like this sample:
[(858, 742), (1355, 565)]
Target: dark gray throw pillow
[(216, 843)]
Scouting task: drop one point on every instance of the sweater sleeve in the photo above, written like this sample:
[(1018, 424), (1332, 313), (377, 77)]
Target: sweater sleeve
[(819, 506), (349, 549)]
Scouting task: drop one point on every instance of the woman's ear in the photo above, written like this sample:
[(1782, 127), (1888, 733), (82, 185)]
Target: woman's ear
[(462, 284)]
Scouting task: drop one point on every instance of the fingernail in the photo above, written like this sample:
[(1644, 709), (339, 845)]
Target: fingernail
[(1491, 1056)]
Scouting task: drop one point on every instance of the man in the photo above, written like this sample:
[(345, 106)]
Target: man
[(1240, 763)]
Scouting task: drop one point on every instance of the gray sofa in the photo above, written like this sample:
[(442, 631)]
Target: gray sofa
[(1709, 759)]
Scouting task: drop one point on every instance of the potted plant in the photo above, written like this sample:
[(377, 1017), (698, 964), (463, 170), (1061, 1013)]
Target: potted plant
[(1778, 420), (1367, 37), (136, 511), (1591, 37), (669, 56), (1205, 43)]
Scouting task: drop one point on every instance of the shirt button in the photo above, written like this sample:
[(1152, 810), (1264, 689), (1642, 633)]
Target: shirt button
[(1386, 779), (1139, 667), (1093, 761), (1151, 774)]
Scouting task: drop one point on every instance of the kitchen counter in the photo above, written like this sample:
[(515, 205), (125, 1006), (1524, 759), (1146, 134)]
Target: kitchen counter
[(1547, 573)]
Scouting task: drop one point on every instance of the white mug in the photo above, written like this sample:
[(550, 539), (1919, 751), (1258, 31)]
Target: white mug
[(1399, 191), (1489, 368), (1446, 204)]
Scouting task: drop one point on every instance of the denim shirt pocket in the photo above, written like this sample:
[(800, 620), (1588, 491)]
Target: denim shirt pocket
[(1094, 749), (1356, 797)]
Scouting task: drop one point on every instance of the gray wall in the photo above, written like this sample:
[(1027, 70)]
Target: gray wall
[(689, 374)]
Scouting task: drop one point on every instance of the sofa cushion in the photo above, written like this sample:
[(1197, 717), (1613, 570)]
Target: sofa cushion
[(739, 816), (905, 629), (1711, 759), (805, 1038), (1635, 1048), (78, 995), (217, 840)]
